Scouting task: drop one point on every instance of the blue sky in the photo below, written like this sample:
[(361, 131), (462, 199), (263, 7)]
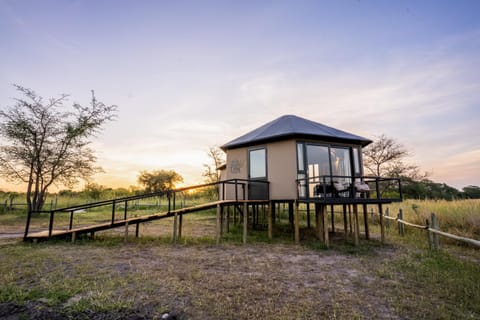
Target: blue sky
[(187, 75)]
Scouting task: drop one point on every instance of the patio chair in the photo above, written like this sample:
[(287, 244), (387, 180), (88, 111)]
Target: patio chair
[(341, 189), (362, 189)]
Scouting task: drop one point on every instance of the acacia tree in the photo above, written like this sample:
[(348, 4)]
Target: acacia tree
[(159, 180), (211, 172), (43, 144), (385, 157)]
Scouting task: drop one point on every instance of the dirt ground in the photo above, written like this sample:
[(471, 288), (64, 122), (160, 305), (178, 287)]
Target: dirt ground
[(270, 281), (151, 279)]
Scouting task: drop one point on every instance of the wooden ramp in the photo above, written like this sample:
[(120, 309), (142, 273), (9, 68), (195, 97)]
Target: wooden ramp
[(75, 232)]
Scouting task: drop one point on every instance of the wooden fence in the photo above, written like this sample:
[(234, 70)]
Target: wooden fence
[(431, 227)]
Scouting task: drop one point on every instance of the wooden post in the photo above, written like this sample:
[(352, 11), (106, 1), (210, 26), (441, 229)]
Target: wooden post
[(270, 220), (345, 228), (74, 236), (219, 224), (400, 224), (382, 226), (325, 226), (333, 218), (180, 225), (356, 227), (175, 218), (318, 222), (126, 232), (222, 220), (296, 222), (434, 225), (429, 234), (365, 221), (245, 221), (228, 218), (350, 224), (308, 214), (137, 230)]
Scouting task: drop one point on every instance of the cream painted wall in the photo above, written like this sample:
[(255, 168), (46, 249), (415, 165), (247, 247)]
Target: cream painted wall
[(281, 168)]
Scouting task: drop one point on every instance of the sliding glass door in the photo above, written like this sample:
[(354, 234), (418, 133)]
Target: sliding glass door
[(323, 165)]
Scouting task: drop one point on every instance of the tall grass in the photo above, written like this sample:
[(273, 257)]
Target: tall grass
[(461, 217)]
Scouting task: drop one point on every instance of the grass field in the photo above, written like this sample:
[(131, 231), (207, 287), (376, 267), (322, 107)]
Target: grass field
[(109, 279)]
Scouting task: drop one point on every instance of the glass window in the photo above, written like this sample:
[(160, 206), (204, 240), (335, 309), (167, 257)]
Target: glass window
[(318, 166), (300, 162), (356, 161), (258, 163), (341, 164)]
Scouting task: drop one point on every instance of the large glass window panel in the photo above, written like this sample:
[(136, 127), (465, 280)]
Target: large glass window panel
[(356, 161), (300, 161), (341, 164), (258, 163), (318, 166)]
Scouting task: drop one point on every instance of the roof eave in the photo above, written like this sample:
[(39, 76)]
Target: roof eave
[(229, 145)]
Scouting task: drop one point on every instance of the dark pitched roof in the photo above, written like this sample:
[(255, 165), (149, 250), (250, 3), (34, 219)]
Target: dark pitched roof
[(290, 126)]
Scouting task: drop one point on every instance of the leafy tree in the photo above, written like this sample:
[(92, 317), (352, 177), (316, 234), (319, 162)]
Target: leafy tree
[(45, 144), (211, 172), (93, 190), (472, 192), (159, 180)]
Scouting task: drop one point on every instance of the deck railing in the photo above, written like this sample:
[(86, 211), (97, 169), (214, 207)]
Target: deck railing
[(240, 193), (364, 187)]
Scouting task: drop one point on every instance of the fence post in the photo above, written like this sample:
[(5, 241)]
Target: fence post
[(399, 223), (434, 235), (429, 234), (382, 225)]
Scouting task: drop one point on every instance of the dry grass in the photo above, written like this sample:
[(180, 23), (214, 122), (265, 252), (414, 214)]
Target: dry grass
[(461, 217)]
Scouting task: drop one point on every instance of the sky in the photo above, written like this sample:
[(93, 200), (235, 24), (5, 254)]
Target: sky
[(188, 75)]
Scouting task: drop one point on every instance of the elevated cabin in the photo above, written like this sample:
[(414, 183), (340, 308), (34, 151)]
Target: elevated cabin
[(292, 158)]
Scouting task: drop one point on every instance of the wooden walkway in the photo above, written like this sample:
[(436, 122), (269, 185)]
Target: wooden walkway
[(75, 232)]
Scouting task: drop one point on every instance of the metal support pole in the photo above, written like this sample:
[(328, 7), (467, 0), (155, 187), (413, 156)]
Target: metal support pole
[(50, 226), (113, 211), (70, 226), (27, 224)]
